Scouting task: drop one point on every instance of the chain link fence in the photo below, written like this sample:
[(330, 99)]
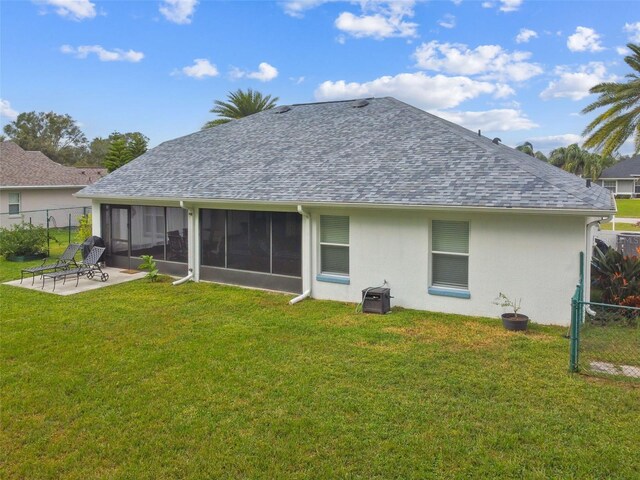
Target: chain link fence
[(605, 339), (61, 223)]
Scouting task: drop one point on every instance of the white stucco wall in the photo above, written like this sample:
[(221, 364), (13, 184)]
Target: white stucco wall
[(33, 201), (533, 257), (528, 256)]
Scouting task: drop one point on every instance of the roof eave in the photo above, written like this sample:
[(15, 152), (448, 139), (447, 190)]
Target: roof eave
[(587, 212)]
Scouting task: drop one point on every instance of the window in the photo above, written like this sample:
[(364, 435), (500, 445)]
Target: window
[(14, 203), (334, 245), (450, 254), (610, 185), (637, 187)]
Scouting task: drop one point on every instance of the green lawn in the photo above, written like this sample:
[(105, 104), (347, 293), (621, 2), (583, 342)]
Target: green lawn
[(620, 227), (151, 381), (629, 207)]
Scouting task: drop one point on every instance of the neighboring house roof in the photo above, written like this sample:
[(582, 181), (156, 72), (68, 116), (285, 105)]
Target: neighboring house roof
[(384, 153), (629, 168), (22, 168)]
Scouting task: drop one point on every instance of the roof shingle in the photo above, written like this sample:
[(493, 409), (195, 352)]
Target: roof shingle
[(22, 168), (387, 152)]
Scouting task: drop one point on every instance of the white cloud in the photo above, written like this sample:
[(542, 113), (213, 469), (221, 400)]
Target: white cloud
[(492, 61), (115, 55), (6, 110), (622, 51), (510, 5), (502, 120), (379, 20), (427, 92), (178, 11), (296, 8), (265, 73), (549, 142), (447, 21), (456, 2), (297, 80), (633, 29), (73, 9), (201, 68), (585, 39), (525, 35), (504, 5), (576, 84)]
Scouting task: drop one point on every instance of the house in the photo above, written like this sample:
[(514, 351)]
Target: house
[(327, 199), (623, 178), (31, 183)]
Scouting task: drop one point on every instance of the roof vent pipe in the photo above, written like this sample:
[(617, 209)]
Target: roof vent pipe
[(479, 133), (588, 182)]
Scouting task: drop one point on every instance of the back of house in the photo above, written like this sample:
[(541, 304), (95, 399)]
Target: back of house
[(327, 199)]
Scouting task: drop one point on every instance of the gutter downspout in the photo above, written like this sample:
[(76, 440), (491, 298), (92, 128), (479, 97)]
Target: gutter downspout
[(190, 250), (587, 258), (307, 292)]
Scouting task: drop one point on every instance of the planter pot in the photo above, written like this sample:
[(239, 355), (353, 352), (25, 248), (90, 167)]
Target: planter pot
[(26, 258), (513, 323)]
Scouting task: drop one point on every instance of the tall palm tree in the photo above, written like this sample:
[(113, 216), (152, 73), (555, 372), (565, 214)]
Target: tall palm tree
[(609, 130), (527, 148), (240, 104)]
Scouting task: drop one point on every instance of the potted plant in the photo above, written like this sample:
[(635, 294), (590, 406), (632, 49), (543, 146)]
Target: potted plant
[(512, 321)]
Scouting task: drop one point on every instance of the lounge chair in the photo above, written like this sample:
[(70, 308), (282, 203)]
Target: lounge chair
[(89, 267), (66, 261)]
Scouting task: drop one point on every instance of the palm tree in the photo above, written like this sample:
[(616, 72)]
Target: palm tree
[(609, 130), (571, 158), (527, 148), (240, 104)]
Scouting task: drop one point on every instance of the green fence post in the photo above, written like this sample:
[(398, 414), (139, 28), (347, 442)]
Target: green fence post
[(48, 239)]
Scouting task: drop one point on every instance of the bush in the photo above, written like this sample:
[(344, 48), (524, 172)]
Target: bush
[(618, 276), (84, 228), (149, 264), (23, 239)]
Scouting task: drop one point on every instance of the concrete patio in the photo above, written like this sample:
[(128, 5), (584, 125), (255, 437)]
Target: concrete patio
[(116, 276)]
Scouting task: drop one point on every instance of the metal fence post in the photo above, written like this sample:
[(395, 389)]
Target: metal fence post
[(48, 238), (69, 229)]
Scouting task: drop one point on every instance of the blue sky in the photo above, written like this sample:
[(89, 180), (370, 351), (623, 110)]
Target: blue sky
[(516, 69)]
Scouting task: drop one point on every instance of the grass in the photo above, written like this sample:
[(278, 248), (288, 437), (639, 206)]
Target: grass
[(620, 227), (629, 207), (151, 381)]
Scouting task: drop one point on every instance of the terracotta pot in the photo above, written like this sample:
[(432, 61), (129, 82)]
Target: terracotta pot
[(514, 323)]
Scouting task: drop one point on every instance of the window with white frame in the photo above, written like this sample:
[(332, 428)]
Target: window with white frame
[(334, 245), (14, 203), (610, 185), (450, 254), (637, 186)]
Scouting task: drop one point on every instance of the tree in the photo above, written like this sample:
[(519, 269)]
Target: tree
[(135, 144), (240, 104), (527, 147), (579, 161), (118, 155), (57, 136), (621, 120)]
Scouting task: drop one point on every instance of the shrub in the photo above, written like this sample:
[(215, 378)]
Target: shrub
[(84, 228), (149, 264), (23, 239), (617, 275)]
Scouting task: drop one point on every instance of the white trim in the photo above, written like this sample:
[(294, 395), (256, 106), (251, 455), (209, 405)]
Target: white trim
[(270, 204), (39, 187)]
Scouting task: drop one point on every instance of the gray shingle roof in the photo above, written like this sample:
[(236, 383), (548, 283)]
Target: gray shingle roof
[(387, 152), (26, 168), (628, 168)]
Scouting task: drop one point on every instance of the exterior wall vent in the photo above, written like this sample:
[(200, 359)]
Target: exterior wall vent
[(282, 109), (360, 103)]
